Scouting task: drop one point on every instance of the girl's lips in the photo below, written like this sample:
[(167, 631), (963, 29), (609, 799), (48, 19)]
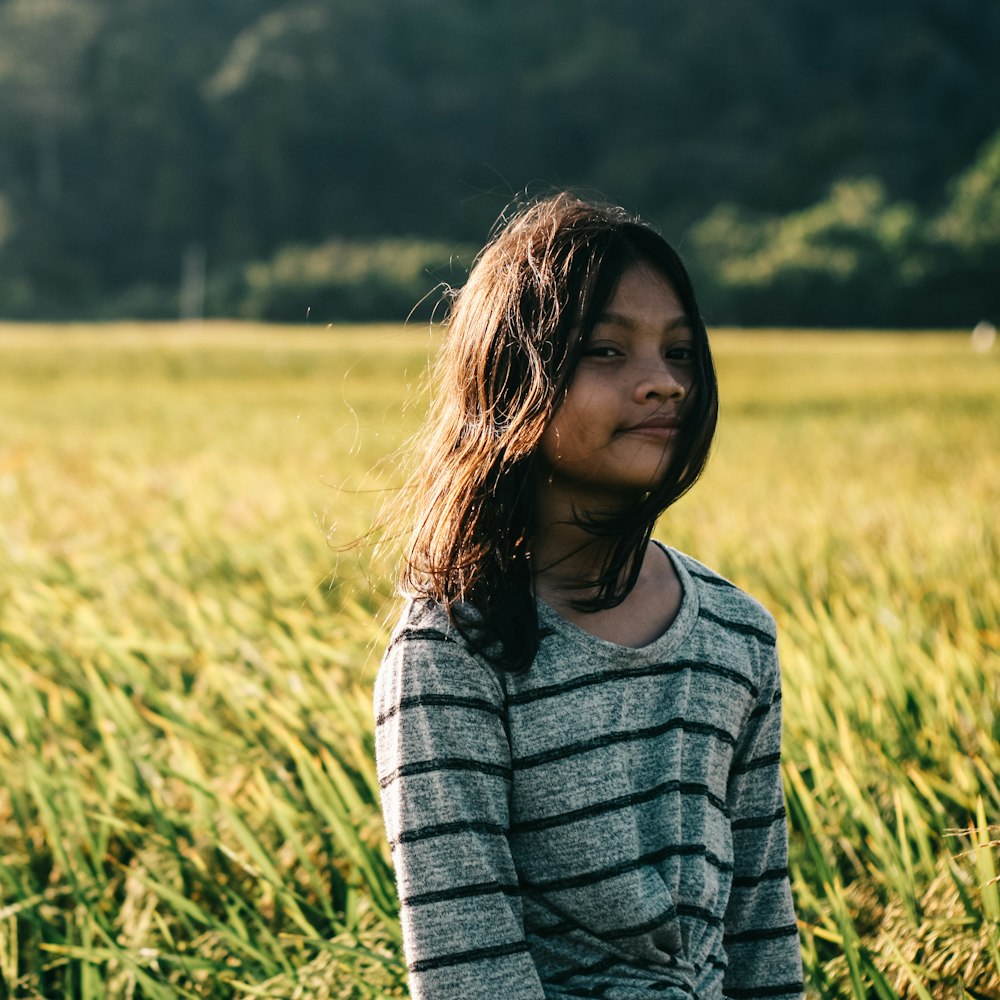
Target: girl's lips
[(661, 428), (659, 432)]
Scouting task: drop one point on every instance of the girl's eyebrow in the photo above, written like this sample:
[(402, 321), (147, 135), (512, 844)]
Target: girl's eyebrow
[(631, 324)]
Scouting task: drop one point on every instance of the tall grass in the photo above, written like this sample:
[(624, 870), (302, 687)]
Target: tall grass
[(189, 806)]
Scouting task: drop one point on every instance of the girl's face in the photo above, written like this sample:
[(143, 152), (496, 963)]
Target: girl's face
[(612, 437)]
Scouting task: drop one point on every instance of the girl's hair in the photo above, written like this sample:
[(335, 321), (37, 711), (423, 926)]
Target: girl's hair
[(533, 297)]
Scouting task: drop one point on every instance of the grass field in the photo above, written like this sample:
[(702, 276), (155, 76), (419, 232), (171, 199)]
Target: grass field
[(189, 805)]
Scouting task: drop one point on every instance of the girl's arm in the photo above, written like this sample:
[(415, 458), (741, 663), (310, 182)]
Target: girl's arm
[(761, 935), (444, 766)]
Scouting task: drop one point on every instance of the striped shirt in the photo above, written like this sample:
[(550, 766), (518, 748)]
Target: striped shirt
[(608, 824)]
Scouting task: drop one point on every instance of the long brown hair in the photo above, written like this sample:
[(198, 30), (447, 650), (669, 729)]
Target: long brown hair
[(533, 296)]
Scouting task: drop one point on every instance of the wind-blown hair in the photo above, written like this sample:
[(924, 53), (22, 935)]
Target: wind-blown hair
[(533, 297)]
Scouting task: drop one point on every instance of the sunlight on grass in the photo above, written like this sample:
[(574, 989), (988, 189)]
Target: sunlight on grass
[(188, 641)]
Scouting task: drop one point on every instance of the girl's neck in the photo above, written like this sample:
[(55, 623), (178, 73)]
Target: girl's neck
[(647, 611), (564, 555), (564, 560)]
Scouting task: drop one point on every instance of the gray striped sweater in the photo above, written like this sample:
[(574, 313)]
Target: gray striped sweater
[(608, 824)]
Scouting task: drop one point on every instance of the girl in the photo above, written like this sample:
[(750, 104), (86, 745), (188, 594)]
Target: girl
[(578, 730)]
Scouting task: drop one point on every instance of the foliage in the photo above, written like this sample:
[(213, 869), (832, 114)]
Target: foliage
[(972, 219), (129, 132), (190, 806), (837, 260), (341, 280), (856, 255)]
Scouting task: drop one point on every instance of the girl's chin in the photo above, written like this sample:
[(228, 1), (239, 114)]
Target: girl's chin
[(597, 499)]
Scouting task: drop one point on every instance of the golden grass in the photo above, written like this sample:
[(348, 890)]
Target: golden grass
[(190, 807)]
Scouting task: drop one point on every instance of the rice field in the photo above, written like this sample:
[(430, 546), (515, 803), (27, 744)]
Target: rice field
[(188, 639)]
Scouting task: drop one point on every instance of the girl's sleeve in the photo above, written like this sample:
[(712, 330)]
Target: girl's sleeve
[(444, 768), (761, 934)]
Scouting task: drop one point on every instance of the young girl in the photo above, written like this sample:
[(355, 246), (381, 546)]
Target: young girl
[(578, 729)]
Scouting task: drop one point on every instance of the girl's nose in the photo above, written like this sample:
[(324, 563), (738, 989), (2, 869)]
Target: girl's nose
[(658, 380)]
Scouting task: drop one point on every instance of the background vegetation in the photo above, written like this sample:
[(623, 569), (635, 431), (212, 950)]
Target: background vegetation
[(189, 804), (818, 163)]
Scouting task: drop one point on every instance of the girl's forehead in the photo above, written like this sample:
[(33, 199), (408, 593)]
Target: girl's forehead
[(643, 296), (642, 274)]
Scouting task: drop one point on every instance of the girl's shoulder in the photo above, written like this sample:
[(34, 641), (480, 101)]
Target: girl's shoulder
[(427, 655), (720, 598), (422, 620)]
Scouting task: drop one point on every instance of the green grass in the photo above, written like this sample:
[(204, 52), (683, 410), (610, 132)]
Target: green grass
[(186, 650)]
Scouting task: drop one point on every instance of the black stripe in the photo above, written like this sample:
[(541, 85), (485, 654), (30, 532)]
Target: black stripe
[(620, 802), (742, 627), (610, 934), (461, 892), (653, 670), (763, 934), (699, 913), (579, 970), (612, 871), (626, 736), (473, 955), (759, 822), (440, 701), (557, 929), (781, 990), (623, 932), (616, 933), (416, 634), (447, 829), (761, 710), (445, 764), (716, 581), (758, 762), (713, 961), (752, 881), (755, 720), (609, 961)]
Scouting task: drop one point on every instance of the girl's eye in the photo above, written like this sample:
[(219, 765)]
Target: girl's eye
[(601, 351), (682, 354)]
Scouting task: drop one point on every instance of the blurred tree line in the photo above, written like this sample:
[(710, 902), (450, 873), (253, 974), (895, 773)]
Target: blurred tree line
[(817, 163)]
